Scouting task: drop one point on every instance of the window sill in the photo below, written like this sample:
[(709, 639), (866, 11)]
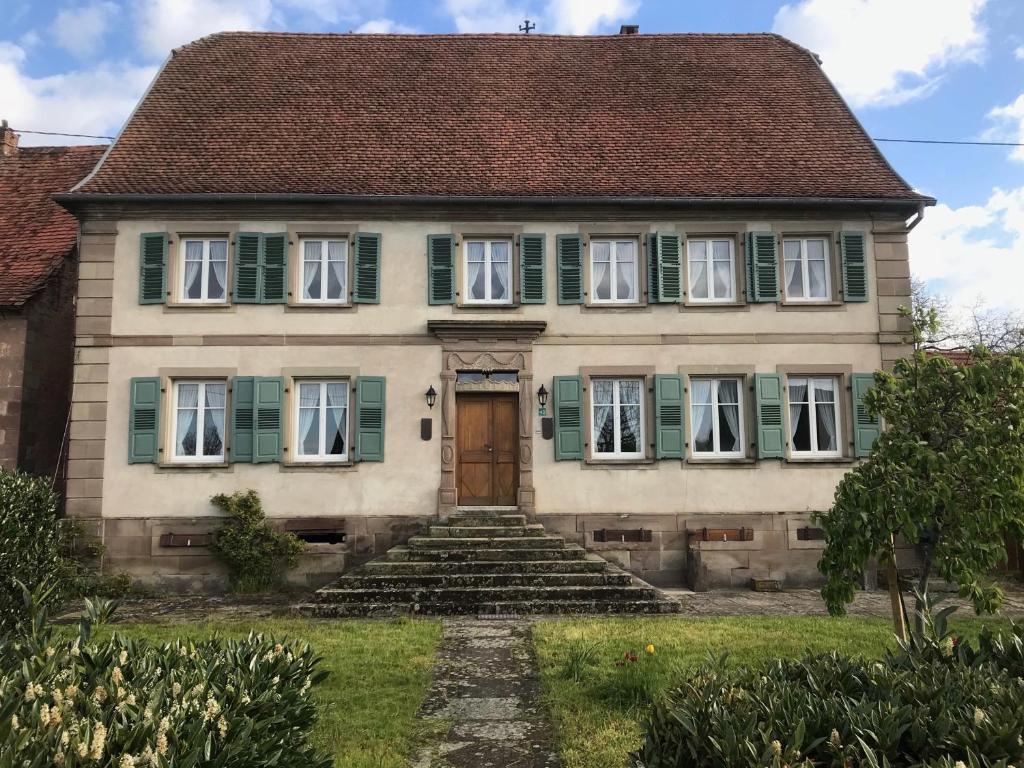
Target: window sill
[(317, 466), (180, 306), (714, 305), (486, 307), (646, 463), (324, 307), (722, 461), (809, 306), (834, 461), (192, 466), (615, 309)]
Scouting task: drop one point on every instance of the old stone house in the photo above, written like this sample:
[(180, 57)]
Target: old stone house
[(646, 278), (38, 278)]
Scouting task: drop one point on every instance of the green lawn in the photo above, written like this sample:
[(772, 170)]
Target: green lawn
[(595, 731), (380, 672)]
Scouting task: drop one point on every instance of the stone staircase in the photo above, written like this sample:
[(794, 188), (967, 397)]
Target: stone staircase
[(487, 563)]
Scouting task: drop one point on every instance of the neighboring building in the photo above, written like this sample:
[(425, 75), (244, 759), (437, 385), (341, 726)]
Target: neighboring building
[(687, 240), (38, 277)]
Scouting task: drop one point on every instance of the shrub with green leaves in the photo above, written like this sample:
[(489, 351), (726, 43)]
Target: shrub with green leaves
[(828, 710), (121, 703), (257, 556), (31, 544)]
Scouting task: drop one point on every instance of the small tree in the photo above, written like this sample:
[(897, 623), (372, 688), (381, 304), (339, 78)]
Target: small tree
[(256, 556), (947, 474)]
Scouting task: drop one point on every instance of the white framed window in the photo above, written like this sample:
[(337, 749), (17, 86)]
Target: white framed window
[(321, 420), (814, 416), (712, 270), (488, 272), (199, 420), (204, 270), (324, 271), (716, 413), (614, 272), (806, 268), (617, 408)]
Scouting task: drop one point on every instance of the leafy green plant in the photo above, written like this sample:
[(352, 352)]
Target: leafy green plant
[(579, 657), (946, 475), (32, 545), (257, 556), (81, 701), (830, 710)]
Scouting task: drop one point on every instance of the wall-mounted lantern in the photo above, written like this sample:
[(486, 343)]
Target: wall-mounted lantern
[(431, 396), (542, 399)]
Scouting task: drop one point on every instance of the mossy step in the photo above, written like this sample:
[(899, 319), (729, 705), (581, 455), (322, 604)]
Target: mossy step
[(569, 552), (485, 532), (478, 595), (480, 519), (500, 608), (421, 581), (480, 542), (404, 568)]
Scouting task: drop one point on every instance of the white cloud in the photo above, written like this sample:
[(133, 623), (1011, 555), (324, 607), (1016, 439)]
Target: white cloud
[(975, 251), (1009, 125), (1019, 53), (165, 24), (573, 17), (81, 30), (384, 27), (94, 101), (335, 11), (886, 52)]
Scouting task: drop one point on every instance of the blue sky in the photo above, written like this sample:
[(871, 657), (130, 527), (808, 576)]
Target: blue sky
[(931, 69)]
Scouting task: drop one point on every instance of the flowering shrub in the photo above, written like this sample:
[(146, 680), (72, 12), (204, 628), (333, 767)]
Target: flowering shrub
[(124, 703), (828, 710)]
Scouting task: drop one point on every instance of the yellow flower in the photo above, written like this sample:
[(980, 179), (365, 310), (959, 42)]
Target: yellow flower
[(650, 648), (99, 737), (979, 716), (777, 747)]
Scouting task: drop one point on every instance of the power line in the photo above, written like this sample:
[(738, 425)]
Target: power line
[(970, 143), (55, 133)]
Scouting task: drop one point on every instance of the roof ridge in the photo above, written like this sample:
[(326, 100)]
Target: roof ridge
[(477, 35)]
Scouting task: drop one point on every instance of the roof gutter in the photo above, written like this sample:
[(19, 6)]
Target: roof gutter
[(918, 217), (73, 199)]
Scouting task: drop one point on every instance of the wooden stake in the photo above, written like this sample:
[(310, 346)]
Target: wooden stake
[(899, 620)]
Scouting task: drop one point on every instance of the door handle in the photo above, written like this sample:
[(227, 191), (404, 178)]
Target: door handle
[(488, 446)]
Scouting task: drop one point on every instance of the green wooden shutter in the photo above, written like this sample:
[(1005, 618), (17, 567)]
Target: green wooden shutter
[(370, 405), (268, 400), (243, 402), (153, 268), (670, 283), (771, 441), (440, 269), (531, 269), (653, 273), (668, 416), (274, 268), (866, 428), (762, 267), (246, 289), (853, 246), (569, 255), (366, 288), (144, 420), (568, 407)]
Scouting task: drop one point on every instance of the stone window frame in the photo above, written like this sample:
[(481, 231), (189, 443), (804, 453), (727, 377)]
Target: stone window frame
[(643, 372), (830, 234), (740, 299), (289, 438), (844, 374), (299, 231), (176, 259), (613, 231), (746, 375), (165, 451), (470, 231)]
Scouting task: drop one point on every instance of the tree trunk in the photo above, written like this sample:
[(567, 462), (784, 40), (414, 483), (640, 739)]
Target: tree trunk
[(921, 604), (899, 616)]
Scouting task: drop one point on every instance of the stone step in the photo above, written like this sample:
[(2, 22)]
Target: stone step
[(422, 554), (497, 608), (485, 532), (484, 595), (545, 541), (481, 519), (459, 580), (591, 564)]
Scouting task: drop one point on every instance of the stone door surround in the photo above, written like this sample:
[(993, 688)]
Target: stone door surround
[(486, 345)]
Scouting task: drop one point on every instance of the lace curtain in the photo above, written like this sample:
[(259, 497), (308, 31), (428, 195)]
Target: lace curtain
[(187, 416), (309, 419), (193, 268)]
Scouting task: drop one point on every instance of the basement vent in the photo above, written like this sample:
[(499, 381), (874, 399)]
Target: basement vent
[(627, 535), (318, 530)]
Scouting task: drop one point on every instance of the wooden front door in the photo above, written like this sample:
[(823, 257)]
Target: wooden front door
[(487, 468)]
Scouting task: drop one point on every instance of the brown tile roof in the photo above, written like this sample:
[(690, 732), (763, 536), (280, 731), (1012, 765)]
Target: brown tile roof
[(35, 232), (678, 115)]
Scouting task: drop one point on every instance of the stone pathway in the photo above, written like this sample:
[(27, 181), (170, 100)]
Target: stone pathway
[(487, 693)]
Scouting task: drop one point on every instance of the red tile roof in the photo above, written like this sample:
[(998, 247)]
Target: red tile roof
[(36, 233), (665, 116)]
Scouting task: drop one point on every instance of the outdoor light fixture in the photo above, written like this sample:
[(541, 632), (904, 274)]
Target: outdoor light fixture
[(542, 396), (431, 396)]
